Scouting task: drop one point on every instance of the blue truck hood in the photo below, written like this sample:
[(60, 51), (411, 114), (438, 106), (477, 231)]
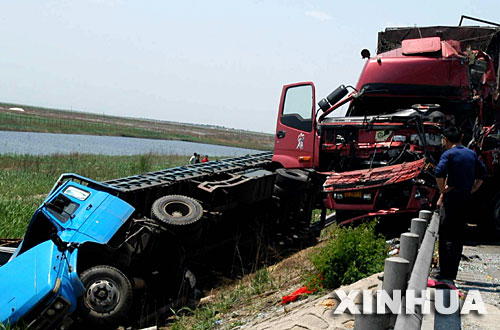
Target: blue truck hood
[(27, 279)]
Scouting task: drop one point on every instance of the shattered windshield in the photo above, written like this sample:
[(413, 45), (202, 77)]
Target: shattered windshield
[(62, 208), (373, 106)]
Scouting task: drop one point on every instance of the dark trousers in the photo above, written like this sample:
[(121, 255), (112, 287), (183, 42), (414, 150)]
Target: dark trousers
[(453, 214)]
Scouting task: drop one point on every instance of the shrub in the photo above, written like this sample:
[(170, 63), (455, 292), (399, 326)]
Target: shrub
[(350, 255)]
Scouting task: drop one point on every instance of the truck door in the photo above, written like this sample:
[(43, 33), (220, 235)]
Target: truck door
[(295, 131)]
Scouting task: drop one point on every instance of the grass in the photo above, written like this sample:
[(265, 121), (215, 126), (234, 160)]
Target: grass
[(26, 180), (211, 315), (316, 214), (12, 327)]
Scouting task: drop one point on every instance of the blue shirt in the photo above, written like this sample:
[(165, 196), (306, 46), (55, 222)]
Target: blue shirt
[(462, 166)]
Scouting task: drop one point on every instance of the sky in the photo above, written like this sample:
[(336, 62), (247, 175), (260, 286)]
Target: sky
[(218, 62)]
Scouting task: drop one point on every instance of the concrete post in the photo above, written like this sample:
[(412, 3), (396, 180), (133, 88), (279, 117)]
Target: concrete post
[(425, 214), (396, 270), (408, 248), (395, 274), (372, 321), (418, 226), (419, 275)]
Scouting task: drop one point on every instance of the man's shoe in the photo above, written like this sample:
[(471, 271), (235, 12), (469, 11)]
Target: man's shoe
[(442, 278)]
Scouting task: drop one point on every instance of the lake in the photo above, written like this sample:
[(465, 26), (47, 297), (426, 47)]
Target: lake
[(49, 143)]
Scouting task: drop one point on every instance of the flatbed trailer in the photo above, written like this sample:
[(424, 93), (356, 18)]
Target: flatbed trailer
[(202, 180), (156, 230)]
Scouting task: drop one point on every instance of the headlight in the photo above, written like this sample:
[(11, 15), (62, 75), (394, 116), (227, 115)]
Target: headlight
[(367, 196), (338, 196), (58, 305), (51, 312)]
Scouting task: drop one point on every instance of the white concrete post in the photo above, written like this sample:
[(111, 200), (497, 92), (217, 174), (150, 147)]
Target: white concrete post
[(425, 214), (396, 271), (372, 321), (408, 248), (418, 226), (395, 274)]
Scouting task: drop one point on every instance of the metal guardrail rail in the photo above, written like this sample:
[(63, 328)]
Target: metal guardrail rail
[(419, 275), (187, 172), (415, 257)]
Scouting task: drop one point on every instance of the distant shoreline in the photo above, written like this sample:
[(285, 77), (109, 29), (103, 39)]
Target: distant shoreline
[(23, 118), (39, 143)]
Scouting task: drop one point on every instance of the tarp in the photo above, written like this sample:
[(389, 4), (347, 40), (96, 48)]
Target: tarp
[(482, 38)]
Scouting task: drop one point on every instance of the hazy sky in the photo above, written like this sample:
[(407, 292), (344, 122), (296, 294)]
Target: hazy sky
[(209, 62)]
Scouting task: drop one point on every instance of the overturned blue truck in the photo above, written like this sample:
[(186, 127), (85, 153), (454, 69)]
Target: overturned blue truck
[(92, 248)]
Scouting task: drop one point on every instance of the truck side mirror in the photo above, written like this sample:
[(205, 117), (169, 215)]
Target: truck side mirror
[(332, 98)]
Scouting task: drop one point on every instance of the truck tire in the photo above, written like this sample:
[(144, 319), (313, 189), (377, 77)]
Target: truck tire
[(292, 179), (289, 194), (176, 210), (108, 296)]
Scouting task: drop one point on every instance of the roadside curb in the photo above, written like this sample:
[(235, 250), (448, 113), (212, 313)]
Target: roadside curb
[(315, 313)]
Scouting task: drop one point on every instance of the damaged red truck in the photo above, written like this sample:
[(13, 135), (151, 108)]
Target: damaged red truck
[(380, 157)]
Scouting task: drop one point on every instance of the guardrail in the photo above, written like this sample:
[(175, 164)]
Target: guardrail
[(419, 276), (408, 271)]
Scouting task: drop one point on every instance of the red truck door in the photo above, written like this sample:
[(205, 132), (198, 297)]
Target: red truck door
[(295, 131)]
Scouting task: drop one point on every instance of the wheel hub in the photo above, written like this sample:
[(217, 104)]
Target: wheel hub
[(177, 209), (102, 296)]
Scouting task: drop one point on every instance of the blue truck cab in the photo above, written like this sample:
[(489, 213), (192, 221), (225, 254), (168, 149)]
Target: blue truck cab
[(41, 284)]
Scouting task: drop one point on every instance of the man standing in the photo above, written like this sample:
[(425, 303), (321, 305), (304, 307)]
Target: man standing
[(192, 160), (459, 173)]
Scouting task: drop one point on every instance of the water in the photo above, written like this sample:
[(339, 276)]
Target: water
[(49, 143)]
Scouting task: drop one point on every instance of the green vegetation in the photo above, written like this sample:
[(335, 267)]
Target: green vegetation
[(207, 316), (11, 327), (36, 119), (350, 255), (34, 123), (316, 214), (26, 180)]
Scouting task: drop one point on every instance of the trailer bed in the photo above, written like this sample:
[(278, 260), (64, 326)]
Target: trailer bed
[(188, 172)]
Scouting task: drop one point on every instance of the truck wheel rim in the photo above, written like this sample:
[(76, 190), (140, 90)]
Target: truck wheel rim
[(102, 296), (177, 209)]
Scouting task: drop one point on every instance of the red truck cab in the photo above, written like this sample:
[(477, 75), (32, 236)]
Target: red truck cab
[(379, 158)]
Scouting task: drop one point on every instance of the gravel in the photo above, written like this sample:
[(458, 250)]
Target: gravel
[(480, 270)]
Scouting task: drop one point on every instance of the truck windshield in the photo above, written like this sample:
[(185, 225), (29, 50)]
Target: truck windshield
[(382, 105), (62, 208)]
